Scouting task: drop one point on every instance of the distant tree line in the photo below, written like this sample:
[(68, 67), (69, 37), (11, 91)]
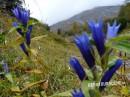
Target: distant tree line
[(125, 11), (75, 28)]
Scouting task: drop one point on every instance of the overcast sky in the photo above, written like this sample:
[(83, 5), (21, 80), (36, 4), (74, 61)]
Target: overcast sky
[(53, 11)]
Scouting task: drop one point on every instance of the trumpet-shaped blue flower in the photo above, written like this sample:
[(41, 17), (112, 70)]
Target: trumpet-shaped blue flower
[(109, 73), (23, 47), (85, 48), (28, 35), (77, 93), (112, 30), (21, 14), (78, 68), (98, 35)]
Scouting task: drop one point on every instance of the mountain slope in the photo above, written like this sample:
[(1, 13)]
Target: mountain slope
[(50, 62), (105, 12)]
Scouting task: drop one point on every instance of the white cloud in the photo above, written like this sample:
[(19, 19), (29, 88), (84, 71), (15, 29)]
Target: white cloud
[(52, 11)]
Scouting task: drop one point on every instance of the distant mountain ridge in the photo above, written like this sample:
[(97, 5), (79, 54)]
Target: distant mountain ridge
[(95, 13)]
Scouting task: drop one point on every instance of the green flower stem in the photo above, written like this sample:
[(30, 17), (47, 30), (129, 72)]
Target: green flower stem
[(95, 74)]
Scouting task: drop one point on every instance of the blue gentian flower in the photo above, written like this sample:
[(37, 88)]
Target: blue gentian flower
[(21, 14), (28, 35), (85, 48), (23, 47), (15, 24), (78, 68), (19, 30), (109, 73), (77, 93), (5, 67), (98, 35), (112, 30)]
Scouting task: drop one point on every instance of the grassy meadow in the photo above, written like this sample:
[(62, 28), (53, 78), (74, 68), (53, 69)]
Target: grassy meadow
[(46, 73), (52, 53)]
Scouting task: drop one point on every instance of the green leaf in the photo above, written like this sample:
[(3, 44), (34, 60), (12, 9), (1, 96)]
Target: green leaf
[(85, 87), (89, 74), (123, 45), (90, 91), (12, 29), (94, 93), (105, 58), (43, 94), (119, 38), (112, 60), (32, 22), (9, 77), (96, 56)]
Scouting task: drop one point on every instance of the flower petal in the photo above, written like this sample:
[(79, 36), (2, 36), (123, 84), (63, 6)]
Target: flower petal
[(23, 47), (5, 67), (109, 73), (112, 30), (85, 48), (77, 93), (78, 68), (28, 35), (98, 35), (21, 14), (19, 30)]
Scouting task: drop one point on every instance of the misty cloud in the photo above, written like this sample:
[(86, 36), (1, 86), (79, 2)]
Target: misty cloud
[(52, 11)]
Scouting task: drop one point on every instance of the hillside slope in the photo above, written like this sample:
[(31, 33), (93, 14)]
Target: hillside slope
[(105, 12), (52, 60)]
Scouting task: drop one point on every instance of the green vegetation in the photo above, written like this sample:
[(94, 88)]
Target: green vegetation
[(124, 12), (46, 72), (53, 53)]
